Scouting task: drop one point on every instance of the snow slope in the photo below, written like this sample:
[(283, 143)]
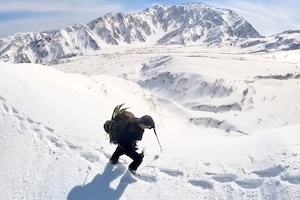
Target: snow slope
[(46, 117), (234, 137), (211, 84)]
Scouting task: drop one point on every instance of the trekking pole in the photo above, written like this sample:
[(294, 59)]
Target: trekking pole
[(157, 139)]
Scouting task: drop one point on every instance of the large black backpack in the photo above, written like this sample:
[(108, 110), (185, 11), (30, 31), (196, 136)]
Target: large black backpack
[(118, 123)]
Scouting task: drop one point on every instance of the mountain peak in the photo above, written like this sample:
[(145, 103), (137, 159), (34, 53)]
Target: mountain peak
[(193, 23), (190, 5)]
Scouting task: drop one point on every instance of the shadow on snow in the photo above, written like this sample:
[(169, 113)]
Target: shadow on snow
[(99, 188)]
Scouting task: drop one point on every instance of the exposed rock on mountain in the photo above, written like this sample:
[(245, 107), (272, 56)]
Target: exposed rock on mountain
[(163, 24)]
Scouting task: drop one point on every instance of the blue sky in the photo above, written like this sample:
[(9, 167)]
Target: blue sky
[(267, 16)]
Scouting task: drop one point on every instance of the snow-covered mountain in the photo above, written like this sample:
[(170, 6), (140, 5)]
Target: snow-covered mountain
[(288, 40), (161, 25)]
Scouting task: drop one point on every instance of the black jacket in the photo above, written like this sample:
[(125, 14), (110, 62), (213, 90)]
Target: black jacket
[(130, 135)]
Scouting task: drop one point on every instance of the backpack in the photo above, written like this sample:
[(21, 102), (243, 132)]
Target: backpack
[(118, 123)]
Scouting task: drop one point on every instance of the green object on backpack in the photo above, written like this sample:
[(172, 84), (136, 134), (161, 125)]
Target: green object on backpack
[(118, 123)]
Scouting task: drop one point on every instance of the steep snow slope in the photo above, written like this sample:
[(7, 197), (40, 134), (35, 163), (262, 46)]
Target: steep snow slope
[(53, 147)]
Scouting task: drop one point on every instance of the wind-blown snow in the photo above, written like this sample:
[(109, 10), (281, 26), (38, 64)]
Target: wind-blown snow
[(228, 123)]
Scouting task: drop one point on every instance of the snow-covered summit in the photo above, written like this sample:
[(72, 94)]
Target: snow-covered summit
[(161, 24)]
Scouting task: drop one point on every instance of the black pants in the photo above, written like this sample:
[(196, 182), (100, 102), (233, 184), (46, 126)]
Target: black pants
[(136, 157)]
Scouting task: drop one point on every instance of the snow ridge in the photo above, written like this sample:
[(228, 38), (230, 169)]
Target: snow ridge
[(161, 25), (286, 41)]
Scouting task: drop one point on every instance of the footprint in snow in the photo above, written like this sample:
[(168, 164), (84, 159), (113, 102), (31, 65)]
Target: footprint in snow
[(270, 172), (249, 183), (202, 183), (145, 177), (15, 111), (90, 157), (171, 172), (20, 117), (31, 121), (224, 178), (73, 146), (6, 108), (210, 173), (293, 179), (51, 130), (56, 141)]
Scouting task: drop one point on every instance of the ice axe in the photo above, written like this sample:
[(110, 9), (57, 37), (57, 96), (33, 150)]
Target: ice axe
[(157, 139)]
